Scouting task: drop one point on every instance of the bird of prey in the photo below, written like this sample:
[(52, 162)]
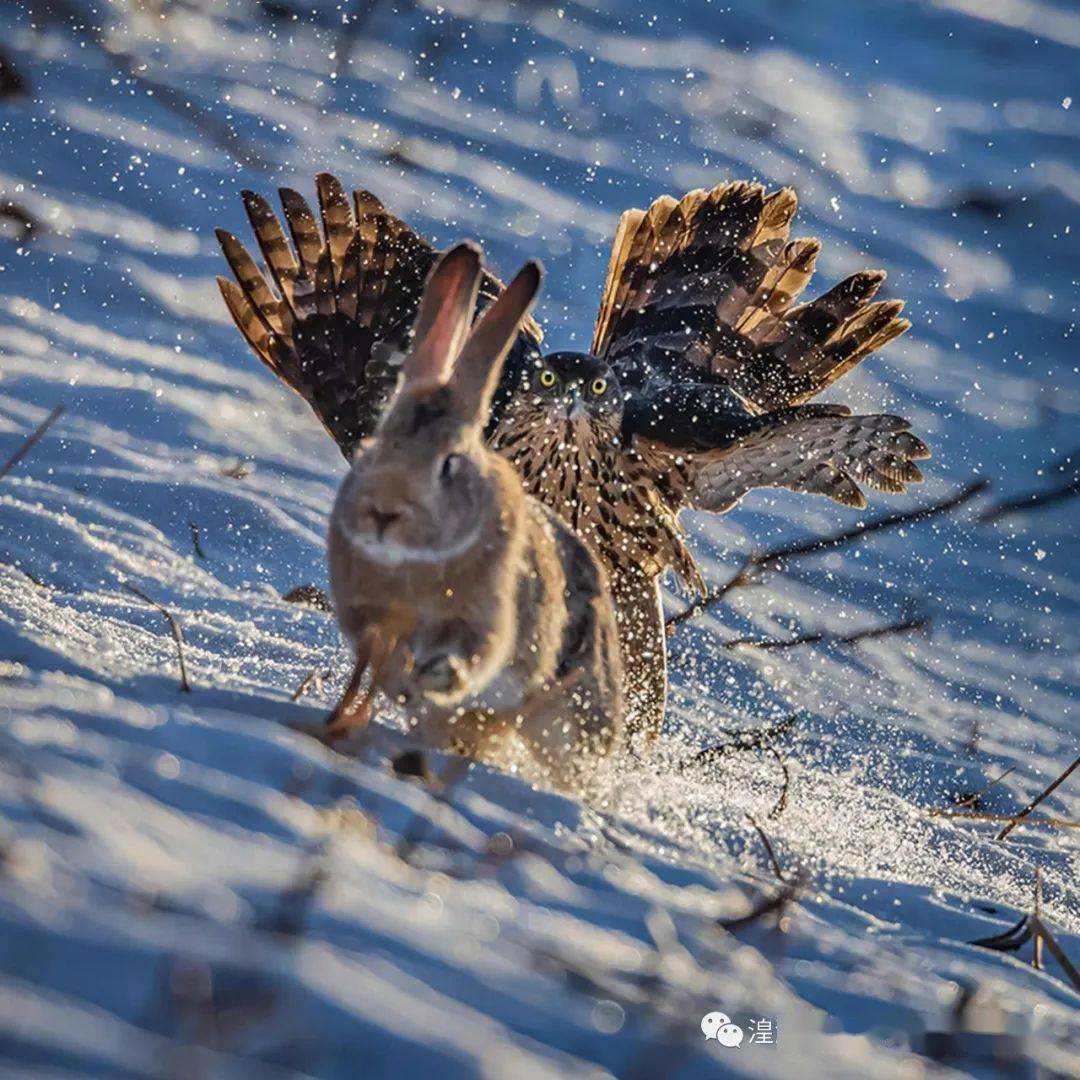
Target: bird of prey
[(695, 389)]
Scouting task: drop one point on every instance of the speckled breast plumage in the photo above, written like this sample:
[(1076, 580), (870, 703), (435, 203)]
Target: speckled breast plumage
[(584, 472)]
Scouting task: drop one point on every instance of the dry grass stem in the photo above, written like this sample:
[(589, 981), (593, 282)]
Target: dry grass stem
[(977, 815), (1044, 794), (825, 638), (177, 633), (1038, 500), (31, 441), (974, 798)]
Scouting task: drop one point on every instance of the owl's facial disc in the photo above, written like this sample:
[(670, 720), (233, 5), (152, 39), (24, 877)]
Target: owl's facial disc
[(579, 389)]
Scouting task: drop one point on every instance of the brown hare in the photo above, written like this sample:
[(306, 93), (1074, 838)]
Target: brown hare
[(464, 598)]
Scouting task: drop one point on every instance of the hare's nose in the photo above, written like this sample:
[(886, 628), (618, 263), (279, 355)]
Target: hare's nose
[(382, 519)]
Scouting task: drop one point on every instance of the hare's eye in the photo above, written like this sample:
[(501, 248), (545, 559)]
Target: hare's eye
[(598, 386), (451, 466), (547, 378)]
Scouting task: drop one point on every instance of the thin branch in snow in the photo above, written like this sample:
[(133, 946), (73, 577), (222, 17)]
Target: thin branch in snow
[(766, 906), (773, 860), (1032, 926), (743, 739), (974, 798), (177, 633), (1038, 500), (760, 739), (312, 680), (196, 541), (1043, 933), (1009, 940), (1045, 793), (824, 638), (977, 815), (776, 558), (31, 441), (1037, 958)]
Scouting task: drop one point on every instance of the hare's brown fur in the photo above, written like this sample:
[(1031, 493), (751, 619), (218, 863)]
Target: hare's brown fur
[(477, 609)]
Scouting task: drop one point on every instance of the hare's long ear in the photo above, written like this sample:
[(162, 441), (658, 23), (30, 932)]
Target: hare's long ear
[(476, 374), (445, 315)]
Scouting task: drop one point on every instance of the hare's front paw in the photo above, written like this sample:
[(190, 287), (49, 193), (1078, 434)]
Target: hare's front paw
[(443, 676)]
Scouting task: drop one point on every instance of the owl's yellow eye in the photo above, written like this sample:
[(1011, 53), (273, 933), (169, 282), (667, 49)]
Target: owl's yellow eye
[(598, 386), (547, 378)]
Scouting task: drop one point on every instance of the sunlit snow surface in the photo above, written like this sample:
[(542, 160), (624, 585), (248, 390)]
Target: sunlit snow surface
[(187, 886)]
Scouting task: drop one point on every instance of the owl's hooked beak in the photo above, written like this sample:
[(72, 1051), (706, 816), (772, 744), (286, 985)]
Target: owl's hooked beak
[(576, 409)]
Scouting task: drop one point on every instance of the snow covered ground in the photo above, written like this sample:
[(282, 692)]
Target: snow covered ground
[(188, 887)]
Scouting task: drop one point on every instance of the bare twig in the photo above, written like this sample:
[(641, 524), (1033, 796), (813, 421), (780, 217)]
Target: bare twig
[(196, 541), (976, 815), (313, 678), (763, 907), (822, 637), (1042, 931), (1045, 793), (1033, 500), (773, 860), (1028, 927), (1036, 500), (1037, 958), (31, 441), (772, 560), (1008, 940), (973, 799), (744, 739), (759, 739), (177, 633)]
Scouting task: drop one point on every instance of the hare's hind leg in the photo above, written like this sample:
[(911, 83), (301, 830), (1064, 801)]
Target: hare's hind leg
[(353, 711)]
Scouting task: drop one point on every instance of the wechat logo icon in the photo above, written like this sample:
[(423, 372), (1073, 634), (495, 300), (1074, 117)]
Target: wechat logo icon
[(718, 1026)]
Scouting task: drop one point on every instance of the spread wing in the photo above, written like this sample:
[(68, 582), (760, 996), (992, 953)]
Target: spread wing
[(821, 450), (709, 282), (332, 312), (700, 320)]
